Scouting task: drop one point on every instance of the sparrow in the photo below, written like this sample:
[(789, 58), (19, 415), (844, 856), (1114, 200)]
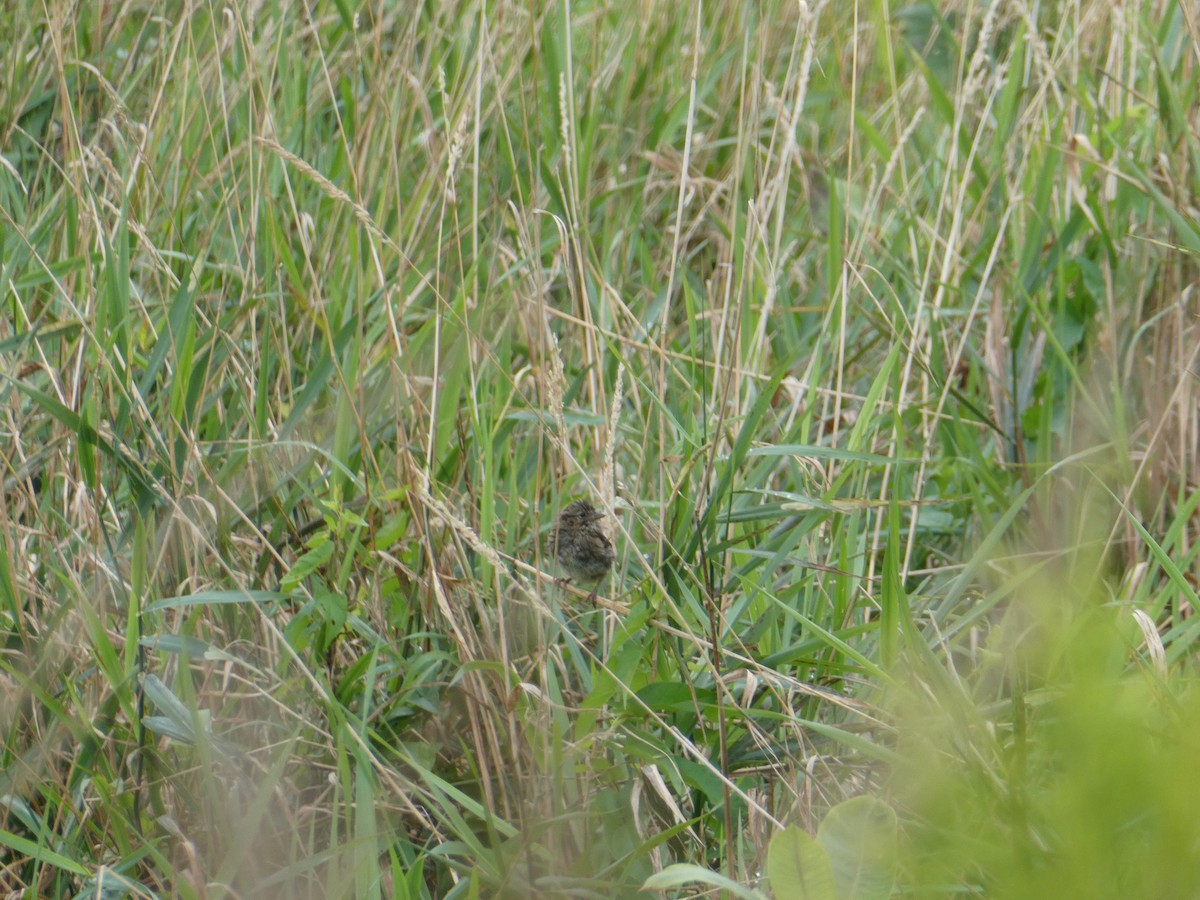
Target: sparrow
[(580, 546)]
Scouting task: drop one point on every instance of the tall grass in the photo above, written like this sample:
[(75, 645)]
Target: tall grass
[(872, 328)]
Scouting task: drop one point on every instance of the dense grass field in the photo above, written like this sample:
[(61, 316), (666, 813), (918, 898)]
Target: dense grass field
[(872, 328)]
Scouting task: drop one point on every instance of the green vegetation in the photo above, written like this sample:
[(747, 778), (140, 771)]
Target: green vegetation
[(873, 328)]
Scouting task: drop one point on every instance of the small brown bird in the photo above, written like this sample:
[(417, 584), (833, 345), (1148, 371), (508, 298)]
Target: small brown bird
[(580, 545)]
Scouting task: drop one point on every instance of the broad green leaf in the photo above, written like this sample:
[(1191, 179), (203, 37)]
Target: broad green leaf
[(860, 837), (681, 874), (798, 867)]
